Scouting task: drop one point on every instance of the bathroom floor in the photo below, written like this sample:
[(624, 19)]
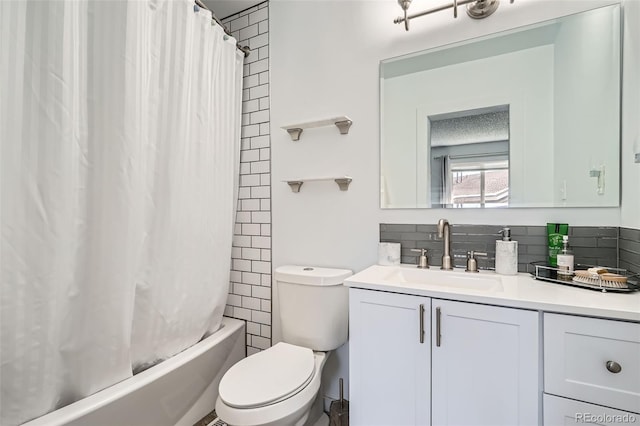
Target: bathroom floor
[(210, 419)]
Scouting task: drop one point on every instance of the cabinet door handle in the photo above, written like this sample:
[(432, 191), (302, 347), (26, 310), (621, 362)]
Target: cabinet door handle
[(421, 310), (438, 326), (613, 367)]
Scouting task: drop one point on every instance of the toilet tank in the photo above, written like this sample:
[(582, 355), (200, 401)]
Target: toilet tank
[(314, 306)]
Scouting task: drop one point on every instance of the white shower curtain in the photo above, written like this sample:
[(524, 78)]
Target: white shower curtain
[(119, 133)]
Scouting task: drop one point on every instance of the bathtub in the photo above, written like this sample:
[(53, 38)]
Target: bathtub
[(178, 391)]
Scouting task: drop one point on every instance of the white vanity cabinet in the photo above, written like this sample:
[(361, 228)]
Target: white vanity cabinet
[(596, 361), (497, 350), (419, 361), (484, 365), (389, 358)]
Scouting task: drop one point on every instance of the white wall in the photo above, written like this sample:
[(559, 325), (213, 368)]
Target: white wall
[(630, 211), (324, 62)]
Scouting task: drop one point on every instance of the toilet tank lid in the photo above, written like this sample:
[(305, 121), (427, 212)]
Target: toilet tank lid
[(311, 275)]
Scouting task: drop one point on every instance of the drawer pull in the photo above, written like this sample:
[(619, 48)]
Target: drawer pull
[(421, 311), (614, 367), (438, 336)]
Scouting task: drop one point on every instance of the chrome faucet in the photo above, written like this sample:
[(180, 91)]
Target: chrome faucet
[(444, 231)]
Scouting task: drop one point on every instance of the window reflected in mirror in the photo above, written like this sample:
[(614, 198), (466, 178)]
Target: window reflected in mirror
[(470, 158)]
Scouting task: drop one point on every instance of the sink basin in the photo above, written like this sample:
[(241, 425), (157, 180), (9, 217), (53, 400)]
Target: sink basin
[(449, 279)]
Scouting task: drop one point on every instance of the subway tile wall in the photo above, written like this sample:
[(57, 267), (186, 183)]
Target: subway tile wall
[(591, 245), (250, 287), (629, 244)]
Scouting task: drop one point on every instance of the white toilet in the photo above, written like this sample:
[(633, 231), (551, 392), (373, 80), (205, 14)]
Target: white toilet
[(279, 386)]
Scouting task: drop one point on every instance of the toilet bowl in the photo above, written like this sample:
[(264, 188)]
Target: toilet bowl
[(280, 385), (274, 387)]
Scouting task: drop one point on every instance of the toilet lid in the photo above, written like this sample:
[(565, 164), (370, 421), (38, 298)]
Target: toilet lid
[(268, 376)]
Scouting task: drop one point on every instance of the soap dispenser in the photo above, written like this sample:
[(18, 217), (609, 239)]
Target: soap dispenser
[(565, 261), (506, 254)]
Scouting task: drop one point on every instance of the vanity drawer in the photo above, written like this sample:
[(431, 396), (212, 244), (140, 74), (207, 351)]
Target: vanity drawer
[(593, 360), (563, 411)]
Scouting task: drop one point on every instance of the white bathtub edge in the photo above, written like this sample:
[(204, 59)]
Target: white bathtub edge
[(72, 412)]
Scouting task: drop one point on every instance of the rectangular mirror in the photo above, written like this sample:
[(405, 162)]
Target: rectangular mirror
[(524, 118)]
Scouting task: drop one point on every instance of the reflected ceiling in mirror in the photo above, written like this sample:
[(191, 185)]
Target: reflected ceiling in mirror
[(524, 118)]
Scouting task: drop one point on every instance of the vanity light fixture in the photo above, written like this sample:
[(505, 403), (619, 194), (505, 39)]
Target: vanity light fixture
[(476, 9)]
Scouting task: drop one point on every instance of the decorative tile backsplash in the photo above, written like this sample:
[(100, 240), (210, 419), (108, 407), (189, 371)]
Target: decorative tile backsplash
[(629, 249), (607, 246)]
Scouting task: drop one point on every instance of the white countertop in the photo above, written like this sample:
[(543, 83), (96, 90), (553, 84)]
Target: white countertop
[(517, 291)]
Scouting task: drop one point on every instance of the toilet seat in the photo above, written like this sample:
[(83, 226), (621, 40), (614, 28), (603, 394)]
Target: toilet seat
[(268, 377)]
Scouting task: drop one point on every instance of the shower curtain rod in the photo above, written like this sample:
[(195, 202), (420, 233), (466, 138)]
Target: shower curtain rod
[(245, 49)]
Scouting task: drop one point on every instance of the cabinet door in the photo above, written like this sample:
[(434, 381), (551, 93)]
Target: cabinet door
[(568, 412), (484, 365), (389, 358)]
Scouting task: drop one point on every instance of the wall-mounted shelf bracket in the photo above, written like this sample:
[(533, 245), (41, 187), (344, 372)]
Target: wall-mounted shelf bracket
[(344, 126), (343, 123), (295, 185), (295, 134), (342, 181)]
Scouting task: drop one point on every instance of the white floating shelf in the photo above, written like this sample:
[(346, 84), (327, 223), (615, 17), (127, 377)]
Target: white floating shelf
[(342, 181), (343, 123)]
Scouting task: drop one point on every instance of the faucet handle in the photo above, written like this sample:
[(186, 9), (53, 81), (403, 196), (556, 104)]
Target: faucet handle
[(472, 262), (423, 260)]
